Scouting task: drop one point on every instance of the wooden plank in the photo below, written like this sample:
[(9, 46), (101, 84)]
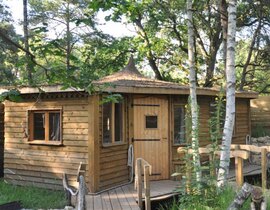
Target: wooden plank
[(114, 200), (114, 158), (123, 173), (122, 199), (239, 171), (112, 170), (130, 198), (97, 202), (89, 200), (106, 202), (264, 168), (147, 187), (113, 182), (93, 148)]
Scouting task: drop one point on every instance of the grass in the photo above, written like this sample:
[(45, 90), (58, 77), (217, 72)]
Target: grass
[(31, 197)]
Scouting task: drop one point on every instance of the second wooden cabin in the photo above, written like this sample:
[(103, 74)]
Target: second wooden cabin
[(51, 131)]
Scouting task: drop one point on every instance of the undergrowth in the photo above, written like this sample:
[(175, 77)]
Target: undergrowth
[(220, 201), (31, 197)]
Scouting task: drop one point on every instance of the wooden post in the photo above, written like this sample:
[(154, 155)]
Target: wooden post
[(264, 167), (139, 182), (239, 171), (147, 187), (212, 165)]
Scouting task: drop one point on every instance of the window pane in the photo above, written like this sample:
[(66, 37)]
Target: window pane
[(39, 126), (106, 121), (151, 121), (54, 126), (179, 129), (118, 122)]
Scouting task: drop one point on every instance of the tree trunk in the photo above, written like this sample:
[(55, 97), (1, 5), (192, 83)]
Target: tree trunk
[(230, 96), (251, 47), (68, 34), (150, 56), (26, 43), (193, 95), (224, 24)]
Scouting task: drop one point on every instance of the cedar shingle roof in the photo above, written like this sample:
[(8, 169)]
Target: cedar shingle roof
[(131, 77), (130, 80)]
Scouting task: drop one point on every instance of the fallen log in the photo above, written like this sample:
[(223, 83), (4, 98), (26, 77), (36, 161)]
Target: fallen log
[(241, 197)]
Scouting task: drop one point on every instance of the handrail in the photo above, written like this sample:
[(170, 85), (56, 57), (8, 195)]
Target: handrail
[(142, 164), (239, 152)]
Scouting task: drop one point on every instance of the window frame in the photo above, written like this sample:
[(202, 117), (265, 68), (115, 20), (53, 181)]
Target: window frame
[(145, 122), (113, 142), (184, 128), (30, 125)]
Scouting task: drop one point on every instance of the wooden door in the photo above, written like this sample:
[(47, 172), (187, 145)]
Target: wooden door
[(151, 134)]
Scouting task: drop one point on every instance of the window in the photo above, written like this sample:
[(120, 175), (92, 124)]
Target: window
[(179, 124), (151, 122), (45, 126), (112, 121)]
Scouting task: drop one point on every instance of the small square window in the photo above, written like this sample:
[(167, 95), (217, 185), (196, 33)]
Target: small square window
[(151, 121)]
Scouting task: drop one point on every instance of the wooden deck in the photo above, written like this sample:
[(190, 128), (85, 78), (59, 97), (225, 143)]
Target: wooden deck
[(125, 197), (248, 170)]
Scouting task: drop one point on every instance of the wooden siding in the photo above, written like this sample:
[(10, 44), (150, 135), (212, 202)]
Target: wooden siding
[(260, 114), (242, 125), (1, 140), (43, 165), (242, 121), (113, 159)]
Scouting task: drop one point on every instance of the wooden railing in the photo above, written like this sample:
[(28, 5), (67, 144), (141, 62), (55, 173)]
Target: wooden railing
[(143, 169), (240, 153)]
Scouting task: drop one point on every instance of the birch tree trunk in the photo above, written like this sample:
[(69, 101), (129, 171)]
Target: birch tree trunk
[(193, 95), (230, 96), (26, 43)]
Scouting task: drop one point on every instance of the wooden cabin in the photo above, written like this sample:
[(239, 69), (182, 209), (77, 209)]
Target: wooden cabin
[(51, 131)]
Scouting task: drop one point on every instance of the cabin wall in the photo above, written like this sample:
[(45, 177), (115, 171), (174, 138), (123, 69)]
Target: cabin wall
[(1, 140), (260, 116), (113, 158), (204, 114), (43, 165), (242, 126), (242, 121)]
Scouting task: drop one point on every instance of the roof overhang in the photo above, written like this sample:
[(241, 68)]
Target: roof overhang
[(41, 89), (182, 90)]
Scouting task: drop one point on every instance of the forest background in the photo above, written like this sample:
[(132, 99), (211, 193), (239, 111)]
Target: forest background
[(63, 42)]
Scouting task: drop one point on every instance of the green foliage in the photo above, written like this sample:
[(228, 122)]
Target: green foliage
[(217, 200), (31, 197), (112, 98), (11, 95), (216, 122)]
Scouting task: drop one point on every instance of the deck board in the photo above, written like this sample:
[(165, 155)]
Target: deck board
[(124, 197)]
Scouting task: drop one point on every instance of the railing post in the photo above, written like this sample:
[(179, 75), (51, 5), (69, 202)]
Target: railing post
[(147, 187), (264, 167), (139, 181), (239, 171)]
